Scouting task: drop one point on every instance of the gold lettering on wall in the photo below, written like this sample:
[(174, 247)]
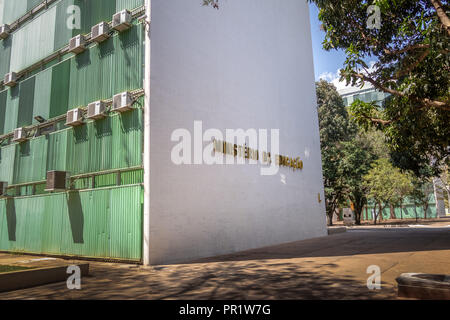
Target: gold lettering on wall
[(252, 154)]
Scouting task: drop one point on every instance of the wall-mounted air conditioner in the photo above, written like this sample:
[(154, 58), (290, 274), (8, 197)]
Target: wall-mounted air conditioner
[(100, 32), (57, 181), (10, 79), (3, 186), (77, 44), (122, 20), (20, 135), (74, 117), (122, 102), (96, 110), (4, 31)]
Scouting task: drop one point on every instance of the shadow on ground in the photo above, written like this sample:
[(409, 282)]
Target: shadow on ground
[(354, 242), (230, 280)]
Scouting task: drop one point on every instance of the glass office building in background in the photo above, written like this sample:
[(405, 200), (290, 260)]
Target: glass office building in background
[(366, 94)]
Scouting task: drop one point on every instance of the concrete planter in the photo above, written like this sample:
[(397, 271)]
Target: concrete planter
[(36, 277), (424, 286)]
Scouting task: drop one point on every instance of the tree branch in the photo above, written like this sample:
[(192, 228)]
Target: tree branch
[(409, 48), (441, 14), (412, 66), (427, 102)]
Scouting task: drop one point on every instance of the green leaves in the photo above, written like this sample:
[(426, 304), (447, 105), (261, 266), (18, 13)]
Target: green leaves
[(387, 184), (412, 50), (346, 155)]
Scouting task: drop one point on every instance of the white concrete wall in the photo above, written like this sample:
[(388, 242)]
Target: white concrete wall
[(439, 194), (247, 65)]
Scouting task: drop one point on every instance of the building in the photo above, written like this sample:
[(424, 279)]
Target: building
[(119, 194), (437, 206), (366, 94)]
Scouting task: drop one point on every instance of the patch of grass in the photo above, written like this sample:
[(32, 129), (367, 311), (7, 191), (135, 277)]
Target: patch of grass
[(4, 269)]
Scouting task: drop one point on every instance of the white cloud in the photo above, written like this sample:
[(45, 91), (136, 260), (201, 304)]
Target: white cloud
[(335, 77)]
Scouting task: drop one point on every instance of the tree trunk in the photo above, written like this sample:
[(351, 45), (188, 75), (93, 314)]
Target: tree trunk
[(330, 219), (425, 209), (380, 213), (391, 207), (441, 14), (358, 217)]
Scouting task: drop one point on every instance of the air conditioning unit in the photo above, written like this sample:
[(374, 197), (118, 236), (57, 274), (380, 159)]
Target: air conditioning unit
[(122, 20), (57, 181), (96, 110), (100, 32), (74, 117), (3, 186), (10, 79), (122, 102), (20, 135), (4, 31), (77, 44)]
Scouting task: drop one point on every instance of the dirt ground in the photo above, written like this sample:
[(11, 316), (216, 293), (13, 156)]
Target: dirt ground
[(333, 267)]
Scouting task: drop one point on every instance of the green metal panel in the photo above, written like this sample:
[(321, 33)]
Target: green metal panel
[(12, 109), (5, 55), (3, 96), (31, 161), (94, 12), (70, 82), (106, 180), (132, 177), (60, 83), (101, 138), (49, 31), (62, 33), (102, 223), (26, 102), (126, 229), (33, 41), (32, 3), (57, 151), (115, 143), (83, 183), (52, 222), (120, 56), (7, 156), (408, 211), (12, 10), (128, 4), (127, 140), (86, 228), (42, 95)]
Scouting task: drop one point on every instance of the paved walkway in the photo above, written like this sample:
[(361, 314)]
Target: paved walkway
[(332, 267)]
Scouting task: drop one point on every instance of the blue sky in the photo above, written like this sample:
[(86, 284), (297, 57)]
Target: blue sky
[(326, 64)]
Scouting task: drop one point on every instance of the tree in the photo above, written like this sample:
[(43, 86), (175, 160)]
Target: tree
[(422, 188), (358, 156), (334, 130), (347, 154), (411, 52), (386, 185), (213, 3)]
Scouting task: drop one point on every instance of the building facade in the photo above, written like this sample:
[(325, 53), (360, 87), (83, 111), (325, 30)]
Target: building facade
[(366, 94), (247, 65)]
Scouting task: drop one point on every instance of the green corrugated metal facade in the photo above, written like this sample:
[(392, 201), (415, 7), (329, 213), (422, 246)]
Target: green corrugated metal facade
[(102, 216), (408, 210)]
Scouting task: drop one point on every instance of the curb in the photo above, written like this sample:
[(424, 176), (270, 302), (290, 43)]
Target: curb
[(17, 280)]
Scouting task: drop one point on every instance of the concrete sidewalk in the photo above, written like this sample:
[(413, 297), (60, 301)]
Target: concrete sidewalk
[(332, 267)]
